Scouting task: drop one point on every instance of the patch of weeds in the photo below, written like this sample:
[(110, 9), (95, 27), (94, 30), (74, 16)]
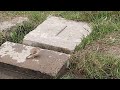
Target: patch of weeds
[(2, 38), (38, 17), (97, 66), (19, 32), (99, 32), (68, 76)]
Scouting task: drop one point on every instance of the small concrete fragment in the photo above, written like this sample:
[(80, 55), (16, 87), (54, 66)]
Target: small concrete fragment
[(48, 62), (58, 34), (6, 25)]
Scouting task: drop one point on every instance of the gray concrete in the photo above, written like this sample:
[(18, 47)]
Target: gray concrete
[(6, 73), (58, 34), (7, 25), (49, 63)]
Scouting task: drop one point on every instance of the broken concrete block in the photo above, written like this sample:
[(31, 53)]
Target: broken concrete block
[(48, 64), (58, 34)]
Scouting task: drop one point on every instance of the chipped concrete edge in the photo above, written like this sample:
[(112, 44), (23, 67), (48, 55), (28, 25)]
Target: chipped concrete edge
[(48, 47), (61, 71)]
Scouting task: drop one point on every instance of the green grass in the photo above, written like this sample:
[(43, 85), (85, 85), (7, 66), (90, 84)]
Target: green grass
[(96, 65), (103, 23)]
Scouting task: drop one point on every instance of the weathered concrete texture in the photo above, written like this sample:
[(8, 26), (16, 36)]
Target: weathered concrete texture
[(6, 25), (6, 73), (58, 34), (50, 63)]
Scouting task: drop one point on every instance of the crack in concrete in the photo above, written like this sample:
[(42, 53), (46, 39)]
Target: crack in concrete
[(60, 31)]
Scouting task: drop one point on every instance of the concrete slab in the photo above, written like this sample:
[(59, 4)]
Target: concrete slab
[(48, 64), (58, 34), (6, 25)]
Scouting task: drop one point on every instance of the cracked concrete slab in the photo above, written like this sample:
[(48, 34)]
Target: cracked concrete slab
[(49, 63), (58, 34)]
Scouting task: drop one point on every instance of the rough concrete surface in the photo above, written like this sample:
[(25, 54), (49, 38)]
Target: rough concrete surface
[(47, 62), (58, 34)]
